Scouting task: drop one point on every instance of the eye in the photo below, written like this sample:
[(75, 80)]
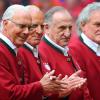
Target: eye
[(62, 27), (42, 26), (34, 25), (22, 26), (97, 24), (70, 27)]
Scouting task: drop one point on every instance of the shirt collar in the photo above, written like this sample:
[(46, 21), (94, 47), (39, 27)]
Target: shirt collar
[(64, 50), (11, 45), (94, 46), (33, 49)]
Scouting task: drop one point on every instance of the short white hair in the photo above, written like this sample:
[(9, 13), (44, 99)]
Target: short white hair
[(85, 14), (10, 11)]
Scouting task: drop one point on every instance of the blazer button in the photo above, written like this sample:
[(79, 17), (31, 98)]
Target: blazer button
[(68, 59), (19, 62), (38, 61), (20, 80)]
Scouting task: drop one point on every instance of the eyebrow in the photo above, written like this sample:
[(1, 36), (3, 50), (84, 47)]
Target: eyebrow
[(68, 26)]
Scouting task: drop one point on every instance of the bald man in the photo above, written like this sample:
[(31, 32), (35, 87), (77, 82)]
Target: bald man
[(14, 84), (29, 55)]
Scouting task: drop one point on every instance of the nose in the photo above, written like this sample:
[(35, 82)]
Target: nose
[(26, 30), (67, 32), (39, 30)]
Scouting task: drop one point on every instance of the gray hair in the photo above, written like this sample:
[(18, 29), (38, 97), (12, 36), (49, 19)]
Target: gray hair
[(85, 14), (10, 11), (50, 13)]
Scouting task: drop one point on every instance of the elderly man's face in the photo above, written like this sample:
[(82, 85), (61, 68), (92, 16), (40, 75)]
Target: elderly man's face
[(17, 28), (36, 31), (60, 29), (92, 27)]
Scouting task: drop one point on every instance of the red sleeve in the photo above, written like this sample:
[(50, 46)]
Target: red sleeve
[(10, 87)]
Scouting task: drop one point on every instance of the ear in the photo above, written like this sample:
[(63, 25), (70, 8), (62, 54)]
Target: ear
[(82, 25), (5, 23), (46, 27)]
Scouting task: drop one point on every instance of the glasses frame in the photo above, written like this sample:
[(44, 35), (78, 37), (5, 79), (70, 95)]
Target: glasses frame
[(21, 26)]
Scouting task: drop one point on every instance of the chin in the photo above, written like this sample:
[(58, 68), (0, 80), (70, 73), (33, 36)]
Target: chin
[(35, 44), (65, 44), (19, 44), (62, 45)]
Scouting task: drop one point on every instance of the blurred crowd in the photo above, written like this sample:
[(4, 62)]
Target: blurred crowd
[(74, 6)]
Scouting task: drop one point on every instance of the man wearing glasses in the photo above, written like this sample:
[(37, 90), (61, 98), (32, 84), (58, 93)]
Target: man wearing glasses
[(15, 27), (11, 37)]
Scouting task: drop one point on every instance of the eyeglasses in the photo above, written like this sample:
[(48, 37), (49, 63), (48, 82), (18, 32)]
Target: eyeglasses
[(21, 26)]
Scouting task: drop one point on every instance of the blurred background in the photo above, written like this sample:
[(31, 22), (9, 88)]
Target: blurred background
[(74, 6)]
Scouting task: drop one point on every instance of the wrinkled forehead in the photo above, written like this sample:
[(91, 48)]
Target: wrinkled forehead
[(95, 13), (22, 16), (62, 20), (62, 16), (37, 15)]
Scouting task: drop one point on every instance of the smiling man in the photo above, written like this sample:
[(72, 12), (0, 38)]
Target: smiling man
[(16, 80)]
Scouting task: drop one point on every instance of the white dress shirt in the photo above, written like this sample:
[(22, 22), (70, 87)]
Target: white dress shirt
[(64, 50), (33, 49), (91, 44), (4, 38)]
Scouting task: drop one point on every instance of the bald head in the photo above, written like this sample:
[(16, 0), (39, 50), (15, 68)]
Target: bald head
[(32, 7), (35, 12), (37, 25)]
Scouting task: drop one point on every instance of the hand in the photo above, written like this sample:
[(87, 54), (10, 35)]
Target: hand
[(50, 83), (71, 83), (75, 80)]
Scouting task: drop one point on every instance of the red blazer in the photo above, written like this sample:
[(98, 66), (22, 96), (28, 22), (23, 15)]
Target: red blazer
[(54, 58), (32, 64), (89, 63), (12, 79)]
